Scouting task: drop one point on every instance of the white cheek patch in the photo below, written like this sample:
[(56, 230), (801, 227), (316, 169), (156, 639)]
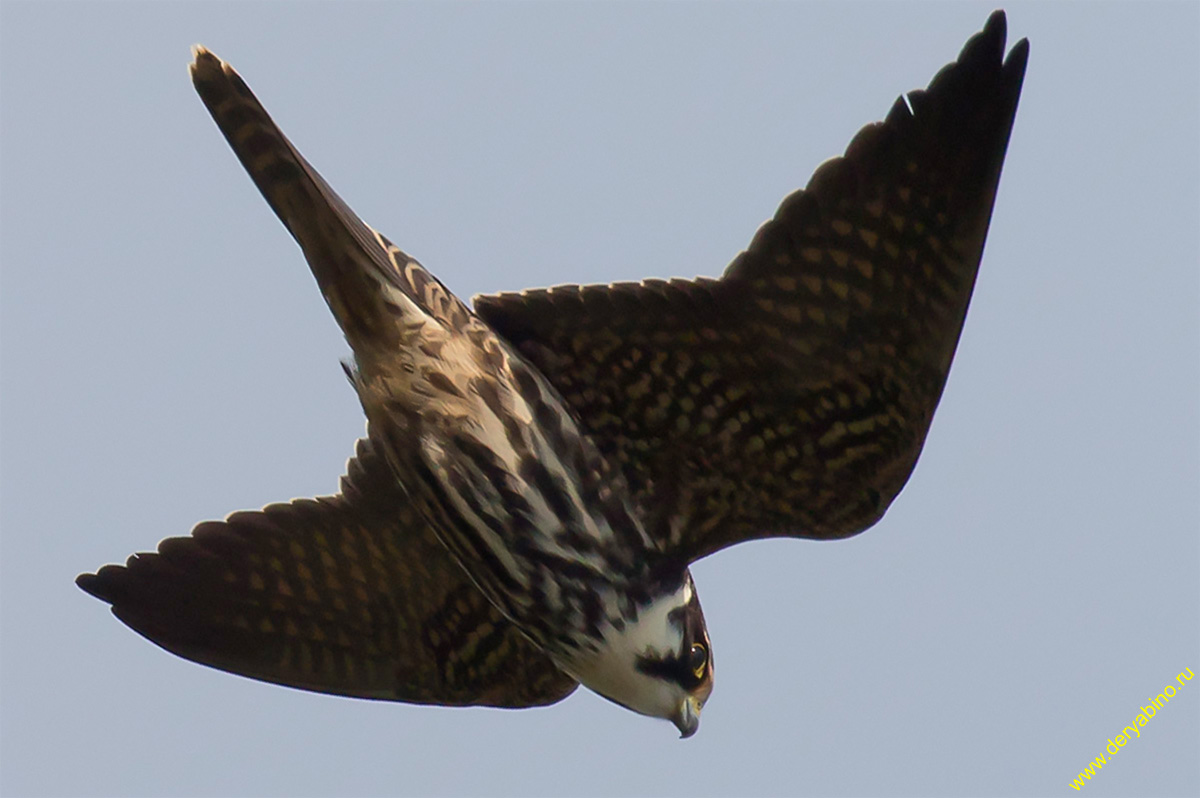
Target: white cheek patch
[(653, 633), (612, 671)]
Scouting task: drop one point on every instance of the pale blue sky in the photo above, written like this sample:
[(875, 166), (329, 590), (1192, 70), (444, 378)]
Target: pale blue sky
[(167, 358)]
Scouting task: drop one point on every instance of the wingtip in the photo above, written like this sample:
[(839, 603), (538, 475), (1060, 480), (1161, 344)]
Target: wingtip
[(111, 583), (1017, 57), (200, 53), (997, 20), (996, 28), (93, 585), (206, 64), (988, 43)]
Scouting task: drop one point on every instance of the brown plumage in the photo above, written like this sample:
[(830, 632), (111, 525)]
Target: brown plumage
[(348, 594), (790, 397)]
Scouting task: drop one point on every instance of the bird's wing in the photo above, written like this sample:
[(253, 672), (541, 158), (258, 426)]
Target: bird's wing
[(348, 258), (792, 396), (349, 594)]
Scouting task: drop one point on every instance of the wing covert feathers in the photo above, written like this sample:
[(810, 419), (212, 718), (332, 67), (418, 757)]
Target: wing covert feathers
[(350, 595), (792, 396)]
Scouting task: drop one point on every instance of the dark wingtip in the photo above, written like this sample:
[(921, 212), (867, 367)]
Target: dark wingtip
[(1017, 58), (987, 46), (996, 30), (997, 21), (109, 584), (86, 583), (95, 584)]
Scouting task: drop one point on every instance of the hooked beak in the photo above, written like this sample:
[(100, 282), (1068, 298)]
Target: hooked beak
[(687, 719)]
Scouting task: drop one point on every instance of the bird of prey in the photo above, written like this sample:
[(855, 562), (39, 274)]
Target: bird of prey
[(540, 471)]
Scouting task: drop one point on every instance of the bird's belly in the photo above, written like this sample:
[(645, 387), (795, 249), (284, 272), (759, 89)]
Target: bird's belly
[(518, 494)]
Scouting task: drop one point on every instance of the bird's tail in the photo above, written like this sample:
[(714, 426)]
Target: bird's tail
[(370, 285)]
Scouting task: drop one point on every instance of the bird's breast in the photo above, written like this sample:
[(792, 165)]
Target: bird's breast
[(515, 490)]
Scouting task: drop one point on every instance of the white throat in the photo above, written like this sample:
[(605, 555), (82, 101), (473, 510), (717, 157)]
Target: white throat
[(612, 669)]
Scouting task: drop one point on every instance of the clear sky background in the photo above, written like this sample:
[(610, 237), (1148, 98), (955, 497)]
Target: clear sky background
[(167, 358)]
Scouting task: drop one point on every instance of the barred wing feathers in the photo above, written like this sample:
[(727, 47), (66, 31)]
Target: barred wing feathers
[(349, 594), (349, 259), (792, 396)]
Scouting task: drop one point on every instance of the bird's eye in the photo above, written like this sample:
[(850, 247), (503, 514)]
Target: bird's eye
[(698, 660)]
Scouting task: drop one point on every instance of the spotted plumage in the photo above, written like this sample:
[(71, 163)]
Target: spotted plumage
[(539, 472)]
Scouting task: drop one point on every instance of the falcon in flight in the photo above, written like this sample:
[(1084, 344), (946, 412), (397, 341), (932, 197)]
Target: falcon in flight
[(540, 471)]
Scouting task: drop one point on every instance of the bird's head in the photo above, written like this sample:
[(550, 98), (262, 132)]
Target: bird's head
[(660, 663)]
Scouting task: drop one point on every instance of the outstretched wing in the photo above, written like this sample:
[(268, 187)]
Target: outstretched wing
[(793, 395), (350, 260), (348, 594)]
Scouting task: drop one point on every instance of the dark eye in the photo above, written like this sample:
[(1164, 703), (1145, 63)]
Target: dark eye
[(698, 660)]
